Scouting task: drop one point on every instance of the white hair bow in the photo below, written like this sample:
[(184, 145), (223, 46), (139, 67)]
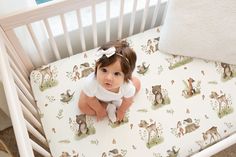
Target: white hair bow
[(109, 52)]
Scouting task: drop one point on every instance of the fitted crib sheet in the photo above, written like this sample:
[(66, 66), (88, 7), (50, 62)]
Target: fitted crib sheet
[(185, 105)]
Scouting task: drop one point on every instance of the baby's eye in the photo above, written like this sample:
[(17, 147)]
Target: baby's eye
[(103, 70), (117, 73)]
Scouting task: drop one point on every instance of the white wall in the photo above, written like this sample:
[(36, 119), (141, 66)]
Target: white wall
[(9, 6)]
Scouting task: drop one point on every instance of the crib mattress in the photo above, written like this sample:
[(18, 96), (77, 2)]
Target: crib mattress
[(185, 105)]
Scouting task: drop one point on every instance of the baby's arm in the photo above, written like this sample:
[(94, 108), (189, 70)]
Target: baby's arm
[(126, 103)]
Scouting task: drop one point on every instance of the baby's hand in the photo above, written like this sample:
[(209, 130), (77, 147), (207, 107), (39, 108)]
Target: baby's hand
[(101, 113), (120, 114)]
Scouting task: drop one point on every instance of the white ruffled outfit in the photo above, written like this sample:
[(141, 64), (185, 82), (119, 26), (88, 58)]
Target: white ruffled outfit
[(93, 88)]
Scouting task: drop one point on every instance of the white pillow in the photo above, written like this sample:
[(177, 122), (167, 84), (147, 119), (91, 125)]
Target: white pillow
[(200, 28)]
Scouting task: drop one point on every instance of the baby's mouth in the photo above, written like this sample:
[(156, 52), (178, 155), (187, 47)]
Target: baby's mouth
[(107, 84)]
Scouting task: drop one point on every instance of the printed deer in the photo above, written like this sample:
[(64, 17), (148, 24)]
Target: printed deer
[(150, 128), (44, 72), (220, 99), (214, 134)]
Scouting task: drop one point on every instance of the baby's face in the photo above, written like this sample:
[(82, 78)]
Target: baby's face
[(110, 77)]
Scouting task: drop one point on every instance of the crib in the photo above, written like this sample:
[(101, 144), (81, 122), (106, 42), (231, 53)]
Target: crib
[(16, 64)]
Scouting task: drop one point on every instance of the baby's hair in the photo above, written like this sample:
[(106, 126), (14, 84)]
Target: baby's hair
[(126, 55)]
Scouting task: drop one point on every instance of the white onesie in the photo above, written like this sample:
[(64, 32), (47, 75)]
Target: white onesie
[(93, 88)]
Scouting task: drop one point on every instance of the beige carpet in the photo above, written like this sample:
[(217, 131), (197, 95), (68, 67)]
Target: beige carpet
[(9, 145)]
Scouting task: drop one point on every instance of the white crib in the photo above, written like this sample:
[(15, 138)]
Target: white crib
[(16, 64)]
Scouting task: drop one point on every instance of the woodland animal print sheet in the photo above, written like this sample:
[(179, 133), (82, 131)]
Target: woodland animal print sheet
[(185, 105)]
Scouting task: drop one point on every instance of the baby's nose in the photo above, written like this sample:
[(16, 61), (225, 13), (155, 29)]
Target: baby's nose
[(109, 76)]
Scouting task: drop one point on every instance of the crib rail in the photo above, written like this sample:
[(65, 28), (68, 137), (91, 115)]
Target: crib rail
[(24, 36), (18, 121), (26, 21), (21, 106)]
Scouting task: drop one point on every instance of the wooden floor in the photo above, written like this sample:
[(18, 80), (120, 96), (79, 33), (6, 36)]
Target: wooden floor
[(7, 136), (229, 152)]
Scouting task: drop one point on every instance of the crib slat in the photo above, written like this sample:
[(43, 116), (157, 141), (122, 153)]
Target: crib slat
[(20, 85), (37, 134), (25, 66), (95, 42), (108, 20), (121, 19), (81, 30), (26, 91), (164, 14), (28, 115), (24, 80), (17, 118), (19, 64), (132, 20), (52, 40), (18, 50), (144, 16), (27, 104), (40, 149), (154, 17), (36, 44), (66, 34)]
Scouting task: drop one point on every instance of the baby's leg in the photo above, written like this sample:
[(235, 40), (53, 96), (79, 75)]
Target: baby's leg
[(136, 83), (84, 106)]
